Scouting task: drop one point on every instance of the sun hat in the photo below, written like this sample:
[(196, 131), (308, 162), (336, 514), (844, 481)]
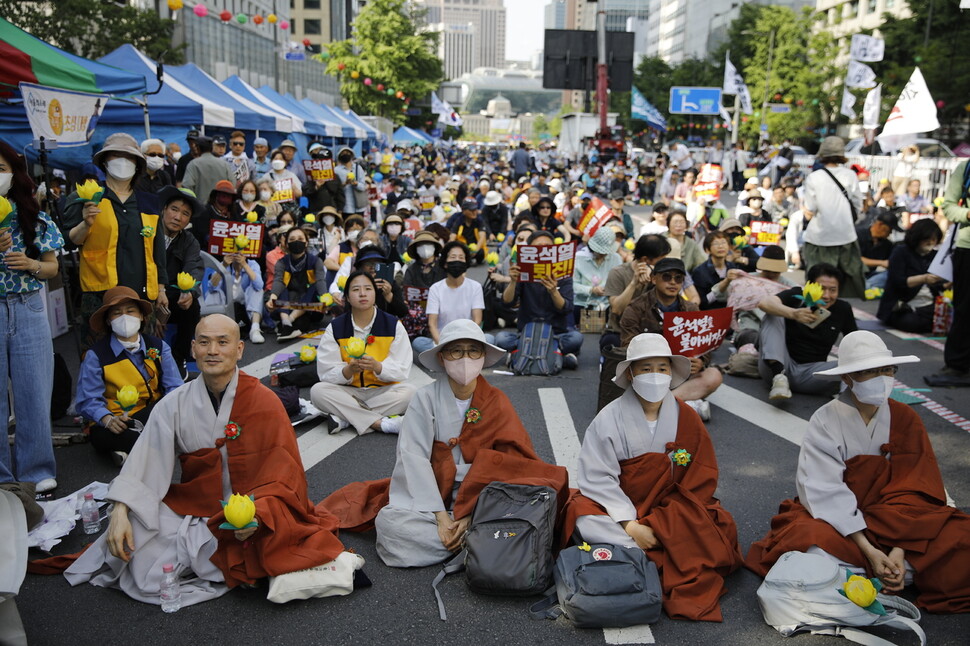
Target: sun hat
[(369, 254), (338, 219), (393, 218), (730, 223), (458, 330), (407, 206), (168, 194), (646, 346), (113, 297), (288, 143), (831, 147), (864, 350), (492, 198), (445, 197), (773, 259), (314, 146), (423, 237), (555, 184), (120, 142), (602, 241)]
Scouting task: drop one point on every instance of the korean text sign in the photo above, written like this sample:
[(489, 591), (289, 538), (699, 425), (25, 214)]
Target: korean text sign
[(692, 334), (546, 261), (320, 170), (595, 215), (225, 237)]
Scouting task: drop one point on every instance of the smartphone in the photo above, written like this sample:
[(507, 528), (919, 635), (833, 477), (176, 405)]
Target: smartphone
[(384, 271)]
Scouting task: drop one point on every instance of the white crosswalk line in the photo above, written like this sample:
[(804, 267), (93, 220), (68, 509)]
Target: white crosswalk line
[(762, 414), (629, 635)]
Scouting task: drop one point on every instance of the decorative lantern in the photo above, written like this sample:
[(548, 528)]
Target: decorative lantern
[(355, 74), (225, 16), (284, 25), (258, 19), (201, 10), (368, 81), (272, 18), (241, 18)]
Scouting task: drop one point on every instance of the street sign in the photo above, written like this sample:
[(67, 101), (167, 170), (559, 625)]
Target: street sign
[(435, 132), (695, 100), (779, 108)]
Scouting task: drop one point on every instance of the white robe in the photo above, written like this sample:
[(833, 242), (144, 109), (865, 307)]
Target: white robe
[(160, 535)]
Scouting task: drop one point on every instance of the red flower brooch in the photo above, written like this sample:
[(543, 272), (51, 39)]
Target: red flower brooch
[(153, 353), (232, 430), (473, 415), (371, 339)]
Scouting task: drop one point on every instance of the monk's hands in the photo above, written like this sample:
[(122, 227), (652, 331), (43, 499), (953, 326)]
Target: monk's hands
[(116, 425), (450, 531), (243, 534), (120, 539), (894, 583), (885, 568), (642, 534)]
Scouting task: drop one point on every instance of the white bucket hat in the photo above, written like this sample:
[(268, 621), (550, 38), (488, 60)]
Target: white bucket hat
[(864, 350), (646, 346), (492, 198), (456, 331)]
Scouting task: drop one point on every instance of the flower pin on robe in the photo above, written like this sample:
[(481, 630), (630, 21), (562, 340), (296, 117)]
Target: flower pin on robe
[(240, 512), (147, 232), (233, 430), (473, 415), (153, 353), (681, 457)]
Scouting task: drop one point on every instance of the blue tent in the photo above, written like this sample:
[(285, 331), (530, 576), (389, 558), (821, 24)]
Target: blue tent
[(248, 92), (405, 135), (372, 132), (339, 116), (314, 125), (333, 125)]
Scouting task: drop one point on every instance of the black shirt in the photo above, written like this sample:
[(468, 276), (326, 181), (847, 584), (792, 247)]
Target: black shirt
[(873, 249), (808, 345)]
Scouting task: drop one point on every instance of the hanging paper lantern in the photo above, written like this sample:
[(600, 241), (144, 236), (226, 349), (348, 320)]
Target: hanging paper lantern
[(324, 54), (390, 92), (225, 16), (380, 87), (258, 19), (940, 104), (399, 94), (241, 18), (201, 10), (788, 100), (814, 101), (284, 25), (368, 81), (341, 67), (306, 42), (799, 103), (174, 5), (778, 96), (272, 18), (355, 74), (744, 119)]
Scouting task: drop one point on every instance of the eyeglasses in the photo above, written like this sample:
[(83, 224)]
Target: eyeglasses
[(456, 352), (884, 371), (154, 154), (545, 208), (672, 277), (238, 143)]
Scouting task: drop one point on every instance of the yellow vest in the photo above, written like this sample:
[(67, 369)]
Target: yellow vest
[(99, 253), (120, 371), (383, 332)]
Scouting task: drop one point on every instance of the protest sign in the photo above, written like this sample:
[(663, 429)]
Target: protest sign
[(595, 215), (320, 170), (708, 185), (546, 261), (416, 321), (282, 190), (692, 334), (225, 236), (765, 233)]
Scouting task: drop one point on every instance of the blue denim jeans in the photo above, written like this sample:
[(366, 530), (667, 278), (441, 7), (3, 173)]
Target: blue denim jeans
[(27, 361), (569, 341)]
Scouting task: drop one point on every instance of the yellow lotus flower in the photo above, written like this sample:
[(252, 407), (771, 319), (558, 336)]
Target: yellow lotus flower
[(948, 294), (240, 510), (873, 293), (383, 202), (473, 248), (938, 202), (406, 257), (242, 242), (308, 354), (351, 176), (492, 259), (500, 237), (629, 245), (5, 210), (356, 347), (252, 216), (649, 202), (185, 281), (747, 231), (739, 241), (860, 591), (558, 240), (341, 281), (326, 299), (89, 191), (783, 222), (127, 397), (812, 291), (309, 218)]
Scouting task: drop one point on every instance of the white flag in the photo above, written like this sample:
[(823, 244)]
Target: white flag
[(860, 75), (913, 113), (848, 100), (734, 84), (437, 106), (867, 49), (870, 109)]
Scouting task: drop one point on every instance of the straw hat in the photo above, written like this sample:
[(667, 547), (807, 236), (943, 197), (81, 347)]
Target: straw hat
[(456, 331), (773, 259), (864, 350), (113, 297), (120, 142), (646, 346), (831, 147), (423, 237)]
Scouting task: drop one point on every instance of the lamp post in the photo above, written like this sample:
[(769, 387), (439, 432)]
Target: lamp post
[(710, 22)]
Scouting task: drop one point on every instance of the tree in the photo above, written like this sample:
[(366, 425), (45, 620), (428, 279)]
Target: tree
[(389, 48), (91, 28)]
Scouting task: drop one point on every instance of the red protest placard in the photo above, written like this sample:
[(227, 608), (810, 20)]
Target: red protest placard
[(765, 233), (416, 298), (708, 185), (692, 334), (226, 237), (319, 169), (594, 216), (282, 190), (537, 262)]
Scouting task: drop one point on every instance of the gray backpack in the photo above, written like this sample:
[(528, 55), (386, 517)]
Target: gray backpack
[(538, 352), (508, 547), (603, 586)]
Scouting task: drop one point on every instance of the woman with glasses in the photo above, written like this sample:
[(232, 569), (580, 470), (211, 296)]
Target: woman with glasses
[(363, 360), (544, 217), (870, 493), (459, 435), (715, 274)]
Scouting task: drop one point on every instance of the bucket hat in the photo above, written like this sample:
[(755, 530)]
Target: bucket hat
[(456, 331), (646, 346)]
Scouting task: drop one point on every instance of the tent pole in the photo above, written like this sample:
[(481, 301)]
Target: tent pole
[(148, 127)]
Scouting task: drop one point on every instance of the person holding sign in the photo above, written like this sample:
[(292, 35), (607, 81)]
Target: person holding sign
[(647, 476), (286, 186), (301, 276), (322, 188), (218, 207)]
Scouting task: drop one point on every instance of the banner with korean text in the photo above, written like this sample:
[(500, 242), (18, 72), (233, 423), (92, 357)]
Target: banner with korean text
[(65, 116), (692, 334), (546, 261), (235, 237)]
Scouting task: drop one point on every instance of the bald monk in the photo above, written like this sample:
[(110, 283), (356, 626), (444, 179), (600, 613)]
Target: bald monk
[(230, 434)]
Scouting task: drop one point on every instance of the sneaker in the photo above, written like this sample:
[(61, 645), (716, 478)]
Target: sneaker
[(288, 332), (779, 387), (341, 424), (570, 361), (119, 457), (500, 322), (45, 485), (702, 407), (255, 335), (392, 425)]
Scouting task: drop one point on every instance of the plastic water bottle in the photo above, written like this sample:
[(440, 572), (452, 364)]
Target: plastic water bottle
[(90, 516), (171, 593)]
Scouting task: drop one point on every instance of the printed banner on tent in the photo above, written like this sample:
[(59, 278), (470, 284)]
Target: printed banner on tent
[(709, 182), (692, 334), (642, 109), (860, 75), (225, 237), (595, 215), (734, 84), (867, 49), (546, 261), (67, 117), (320, 170)]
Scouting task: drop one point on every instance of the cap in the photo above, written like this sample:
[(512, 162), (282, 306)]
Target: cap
[(670, 264), (219, 140), (192, 135), (225, 186), (314, 146), (469, 205), (260, 141), (890, 219), (617, 195)]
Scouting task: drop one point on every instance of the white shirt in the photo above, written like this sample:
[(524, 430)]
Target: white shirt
[(832, 224), (395, 367), (454, 303)]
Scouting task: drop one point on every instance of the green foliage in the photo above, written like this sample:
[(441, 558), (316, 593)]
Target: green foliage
[(388, 47), (91, 28)]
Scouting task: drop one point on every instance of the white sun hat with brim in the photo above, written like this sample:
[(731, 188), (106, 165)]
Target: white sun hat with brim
[(648, 346), (864, 350), (461, 329)]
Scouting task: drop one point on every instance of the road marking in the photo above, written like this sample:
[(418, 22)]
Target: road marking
[(941, 410), (629, 635), (260, 367), (905, 336), (770, 418)]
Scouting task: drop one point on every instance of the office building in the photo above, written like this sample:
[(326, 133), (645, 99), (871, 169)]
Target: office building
[(487, 18), (458, 48), (555, 15)]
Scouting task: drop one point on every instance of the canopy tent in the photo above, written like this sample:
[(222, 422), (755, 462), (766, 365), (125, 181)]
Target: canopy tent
[(405, 135), (24, 58), (314, 124), (247, 91), (372, 132), (341, 117), (325, 115)]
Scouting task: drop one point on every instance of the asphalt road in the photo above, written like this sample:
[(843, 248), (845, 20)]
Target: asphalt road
[(757, 459)]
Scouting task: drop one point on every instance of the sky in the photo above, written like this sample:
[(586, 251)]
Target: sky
[(524, 28)]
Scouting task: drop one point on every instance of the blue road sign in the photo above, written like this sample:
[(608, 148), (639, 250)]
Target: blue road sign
[(695, 100)]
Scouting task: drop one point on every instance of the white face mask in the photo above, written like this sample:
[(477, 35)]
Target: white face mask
[(873, 391), (365, 243), (126, 326), (652, 386), (328, 220), (393, 229), (465, 370), (353, 235), (248, 197), (425, 251), (121, 168), (155, 163), (5, 180), (176, 156), (278, 164)]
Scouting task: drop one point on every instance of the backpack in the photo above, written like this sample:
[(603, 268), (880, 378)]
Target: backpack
[(801, 592), (603, 586), (538, 352), (508, 546)]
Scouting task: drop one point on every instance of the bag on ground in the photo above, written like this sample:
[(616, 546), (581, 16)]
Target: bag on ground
[(538, 352)]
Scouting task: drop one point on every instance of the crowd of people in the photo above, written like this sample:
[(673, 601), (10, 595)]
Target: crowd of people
[(373, 257)]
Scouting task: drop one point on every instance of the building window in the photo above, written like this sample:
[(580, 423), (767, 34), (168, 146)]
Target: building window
[(852, 9), (311, 26), (872, 6), (311, 4)]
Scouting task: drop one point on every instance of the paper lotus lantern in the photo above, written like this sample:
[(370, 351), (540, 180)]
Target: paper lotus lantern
[(629, 244), (201, 10), (558, 240), (309, 218), (355, 347), (89, 191), (241, 18), (326, 299), (127, 397), (240, 511), (308, 354), (406, 257), (225, 16), (185, 282), (174, 5), (5, 210), (242, 242), (271, 19), (368, 81), (355, 74), (258, 19), (341, 281), (252, 216), (500, 237), (284, 25)]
